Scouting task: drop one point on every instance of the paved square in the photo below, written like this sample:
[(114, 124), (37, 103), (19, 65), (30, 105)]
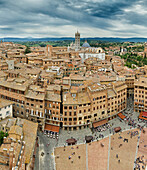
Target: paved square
[(98, 155), (126, 152), (142, 150), (64, 163)]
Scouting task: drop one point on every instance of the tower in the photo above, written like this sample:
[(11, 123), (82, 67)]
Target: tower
[(77, 41), (145, 51)]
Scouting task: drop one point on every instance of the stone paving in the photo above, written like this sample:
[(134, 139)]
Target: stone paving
[(49, 157)]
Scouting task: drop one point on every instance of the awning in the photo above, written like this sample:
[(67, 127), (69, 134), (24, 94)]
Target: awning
[(71, 141), (52, 128), (88, 138), (117, 129), (96, 124), (144, 114), (121, 115)]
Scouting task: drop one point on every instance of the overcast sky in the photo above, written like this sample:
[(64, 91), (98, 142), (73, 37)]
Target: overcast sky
[(62, 18)]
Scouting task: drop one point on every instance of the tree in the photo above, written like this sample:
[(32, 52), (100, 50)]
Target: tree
[(27, 50), (2, 135)]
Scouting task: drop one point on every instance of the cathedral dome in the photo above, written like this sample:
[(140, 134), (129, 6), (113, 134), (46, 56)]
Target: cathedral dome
[(86, 44)]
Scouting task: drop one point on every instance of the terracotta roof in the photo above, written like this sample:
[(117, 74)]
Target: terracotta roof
[(15, 130), (4, 103), (30, 133)]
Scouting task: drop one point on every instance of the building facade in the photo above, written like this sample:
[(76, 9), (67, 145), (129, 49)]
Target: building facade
[(140, 94)]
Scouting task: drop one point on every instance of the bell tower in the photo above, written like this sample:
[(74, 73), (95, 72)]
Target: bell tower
[(77, 41)]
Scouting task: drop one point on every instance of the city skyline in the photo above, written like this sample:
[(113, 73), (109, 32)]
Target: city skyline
[(100, 18)]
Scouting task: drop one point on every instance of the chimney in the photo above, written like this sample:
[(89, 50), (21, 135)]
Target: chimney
[(5, 140)]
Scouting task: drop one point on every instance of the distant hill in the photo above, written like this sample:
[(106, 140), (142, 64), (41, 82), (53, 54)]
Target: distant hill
[(109, 39)]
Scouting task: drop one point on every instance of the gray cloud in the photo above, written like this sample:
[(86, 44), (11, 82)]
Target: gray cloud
[(46, 18)]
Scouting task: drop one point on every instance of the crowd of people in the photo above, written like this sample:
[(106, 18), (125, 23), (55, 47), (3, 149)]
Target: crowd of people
[(102, 128), (140, 163)]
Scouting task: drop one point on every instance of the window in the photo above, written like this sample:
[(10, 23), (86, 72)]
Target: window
[(75, 119), (36, 112), (32, 104), (7, 113), (40, 106), (103, 112), (80, 118), (65, 107), (27, 103), (95, 114), (75, 107)]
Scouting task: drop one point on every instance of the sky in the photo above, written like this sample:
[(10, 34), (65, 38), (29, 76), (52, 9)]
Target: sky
[(62, 18)]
